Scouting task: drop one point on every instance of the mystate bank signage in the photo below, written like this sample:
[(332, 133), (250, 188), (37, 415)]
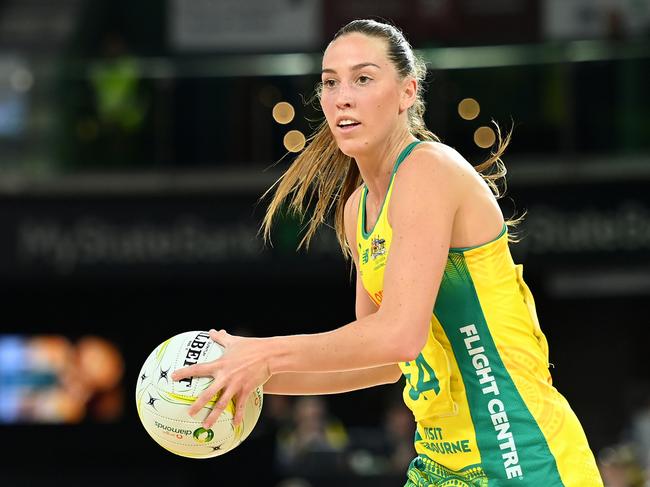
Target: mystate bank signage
[(219, 235)]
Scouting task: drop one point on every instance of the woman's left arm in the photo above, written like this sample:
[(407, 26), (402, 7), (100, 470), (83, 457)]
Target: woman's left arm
[(425, 198)]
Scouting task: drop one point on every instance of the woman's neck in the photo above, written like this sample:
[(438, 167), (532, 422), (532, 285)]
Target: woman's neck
[(376, 167)]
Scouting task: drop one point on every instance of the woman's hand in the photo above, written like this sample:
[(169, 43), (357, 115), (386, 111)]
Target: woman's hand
[(238, 372)]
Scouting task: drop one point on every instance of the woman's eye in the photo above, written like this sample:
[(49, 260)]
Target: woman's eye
[(362, 80), (329, 83)]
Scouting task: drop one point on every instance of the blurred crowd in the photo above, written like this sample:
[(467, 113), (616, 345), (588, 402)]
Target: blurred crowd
[(627, 463), (310, 442)]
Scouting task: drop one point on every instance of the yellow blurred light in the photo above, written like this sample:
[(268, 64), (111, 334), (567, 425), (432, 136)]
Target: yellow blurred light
[(283, 112), (469, 109), (294, 141), (484, 137)]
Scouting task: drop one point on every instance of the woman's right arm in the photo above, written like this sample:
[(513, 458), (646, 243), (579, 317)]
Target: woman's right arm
[(310, 383)]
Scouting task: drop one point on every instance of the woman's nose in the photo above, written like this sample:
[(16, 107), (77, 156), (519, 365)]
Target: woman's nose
[(344, 97)]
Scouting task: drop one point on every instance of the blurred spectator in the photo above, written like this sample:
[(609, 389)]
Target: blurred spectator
[(640, 435), (619, 467), (399, 427), (115, 81), (314, 441), (278, 412), (385, 450), (105, 113), (120, 103), (276, 417)]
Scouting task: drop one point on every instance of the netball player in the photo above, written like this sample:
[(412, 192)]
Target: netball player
[(439, 300)]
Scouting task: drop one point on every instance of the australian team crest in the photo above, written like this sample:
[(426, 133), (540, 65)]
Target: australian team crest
[(377, 247)]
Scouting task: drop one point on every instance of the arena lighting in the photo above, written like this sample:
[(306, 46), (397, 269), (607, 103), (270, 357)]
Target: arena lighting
[(297, 64), (294, 141), (484, 137), (300, 64), (532, 54), (283, 112), (468, 109)]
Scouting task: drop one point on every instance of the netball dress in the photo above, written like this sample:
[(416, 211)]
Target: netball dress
[(480, 390)]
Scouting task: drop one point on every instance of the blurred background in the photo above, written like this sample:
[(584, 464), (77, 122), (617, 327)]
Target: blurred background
[(136, 138)]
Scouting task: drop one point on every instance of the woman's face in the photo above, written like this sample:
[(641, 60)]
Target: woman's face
[(363, 99)]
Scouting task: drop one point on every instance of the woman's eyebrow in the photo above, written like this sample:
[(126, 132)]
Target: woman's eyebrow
[(356, 67)]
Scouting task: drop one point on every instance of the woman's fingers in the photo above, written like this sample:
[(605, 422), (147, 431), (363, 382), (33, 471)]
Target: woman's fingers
[(228, 390), (221, 337), (196, 370), (205, 397), (240, 406), (221, 404)]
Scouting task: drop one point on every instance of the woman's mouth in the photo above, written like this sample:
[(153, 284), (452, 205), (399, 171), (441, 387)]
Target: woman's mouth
[(347, 125)]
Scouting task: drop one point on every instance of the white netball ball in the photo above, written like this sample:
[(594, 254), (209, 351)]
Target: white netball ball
[(163, 404)]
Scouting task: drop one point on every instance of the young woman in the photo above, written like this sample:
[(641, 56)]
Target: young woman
[(438, 297)]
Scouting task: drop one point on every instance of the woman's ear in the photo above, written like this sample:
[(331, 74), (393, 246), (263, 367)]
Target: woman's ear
[(409, 93)]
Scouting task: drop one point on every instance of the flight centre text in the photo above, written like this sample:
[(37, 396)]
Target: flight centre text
[(495, 407)]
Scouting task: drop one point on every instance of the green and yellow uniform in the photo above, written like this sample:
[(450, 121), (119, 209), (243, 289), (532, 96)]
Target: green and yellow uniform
[(481, 393)]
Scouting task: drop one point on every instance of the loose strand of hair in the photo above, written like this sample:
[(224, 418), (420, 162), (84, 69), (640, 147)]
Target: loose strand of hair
[(493, 171), (312, 179)]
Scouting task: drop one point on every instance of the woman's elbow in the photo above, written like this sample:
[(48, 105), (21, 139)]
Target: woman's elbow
[(396, 375), (409, 341), (390, 374), (409, 353)]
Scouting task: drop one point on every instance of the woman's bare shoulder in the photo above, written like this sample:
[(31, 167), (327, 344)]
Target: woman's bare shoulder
[(435, 162), (442, 154)]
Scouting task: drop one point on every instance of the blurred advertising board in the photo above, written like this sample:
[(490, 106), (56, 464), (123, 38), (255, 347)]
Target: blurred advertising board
[(172, 235), (255, 25), (429, 22), (589, 19), (214, 235)]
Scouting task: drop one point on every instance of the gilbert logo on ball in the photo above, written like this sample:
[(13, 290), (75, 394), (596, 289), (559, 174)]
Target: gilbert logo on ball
[(163, 404)]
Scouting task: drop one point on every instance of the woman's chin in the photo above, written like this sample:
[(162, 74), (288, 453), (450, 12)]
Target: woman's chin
[(352, 148)]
